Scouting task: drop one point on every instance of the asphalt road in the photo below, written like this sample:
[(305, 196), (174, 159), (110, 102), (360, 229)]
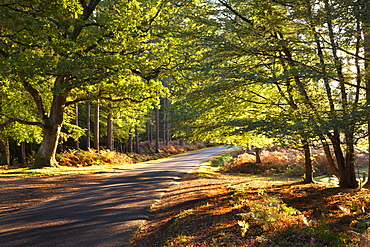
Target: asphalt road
[(108, 214)]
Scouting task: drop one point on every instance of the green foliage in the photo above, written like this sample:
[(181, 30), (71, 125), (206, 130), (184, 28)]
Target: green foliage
[(280, 71), (327, 236), (14, 102), (267, 211), (282, 161), (222, 160), (54, 53)]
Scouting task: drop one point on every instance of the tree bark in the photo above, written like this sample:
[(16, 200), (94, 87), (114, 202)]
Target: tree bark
[(366, 34), (308, 177), (110, 128), (137, 146), (77, 142), (330, 159), (151, 128), (4, 152), (22, 153), (45, 156), (347, 175), (157, 130), (345, 163), (164, 125), (349, 180), (52, 125), (96, 126), (130, 149), (88, 125), (258, 155)]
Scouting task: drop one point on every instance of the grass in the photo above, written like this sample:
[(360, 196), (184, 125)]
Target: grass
[(80, 162), (60, 170)]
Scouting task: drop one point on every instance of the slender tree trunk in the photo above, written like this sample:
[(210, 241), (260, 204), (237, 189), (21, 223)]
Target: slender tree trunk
[(165, 122), (22, 153), (308, 177), (168, 125), (96, 126), (330, 159), (258, 155), (168, 133), (151, 128), (130, 144), (110, 128), (147, 125), (349, 181), (137, 146), (77, 143), (4, 152), (333, 168), (164, 129), (88, 125), (345, 163), (366, 34), (157, 130)]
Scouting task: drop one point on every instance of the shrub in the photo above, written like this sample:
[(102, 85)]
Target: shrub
[(91, 157), (287, 161), (222, 160)]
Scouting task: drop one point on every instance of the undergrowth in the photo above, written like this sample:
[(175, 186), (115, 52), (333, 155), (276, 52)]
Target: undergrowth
[(92, 161), (80, 158), (278, 161), (265, 213)]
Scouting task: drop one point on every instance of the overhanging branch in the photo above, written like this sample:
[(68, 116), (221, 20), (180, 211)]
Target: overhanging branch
[(72, 102), (12, 120)]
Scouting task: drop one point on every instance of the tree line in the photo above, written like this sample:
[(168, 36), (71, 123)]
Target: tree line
[(250, 72)]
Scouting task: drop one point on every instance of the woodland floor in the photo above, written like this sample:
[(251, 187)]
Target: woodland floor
[(200, 211)]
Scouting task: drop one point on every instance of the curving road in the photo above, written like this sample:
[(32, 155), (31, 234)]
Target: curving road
[(107, 214)]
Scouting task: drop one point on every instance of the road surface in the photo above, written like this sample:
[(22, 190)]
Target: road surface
[(107, 214)]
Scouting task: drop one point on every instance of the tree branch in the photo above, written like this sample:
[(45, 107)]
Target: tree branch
[(225, 4), (72, 102), (88, 10), (3, 54), (37, 98), (12, 120)]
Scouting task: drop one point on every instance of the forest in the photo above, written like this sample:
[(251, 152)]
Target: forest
[(83, 74)]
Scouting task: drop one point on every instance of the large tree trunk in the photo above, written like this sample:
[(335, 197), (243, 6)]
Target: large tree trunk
[(45, 156), (4, 152), (52, 125), (347, 175), (349, 181), (308, 177)]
